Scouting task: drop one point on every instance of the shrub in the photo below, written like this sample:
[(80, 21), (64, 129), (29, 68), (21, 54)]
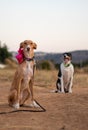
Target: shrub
[(45, 65), (4, 53)]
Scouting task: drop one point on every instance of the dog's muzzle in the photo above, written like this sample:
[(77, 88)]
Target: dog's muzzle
[(28, 49)]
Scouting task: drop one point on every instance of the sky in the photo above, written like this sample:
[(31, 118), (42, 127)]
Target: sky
[(55, 25)]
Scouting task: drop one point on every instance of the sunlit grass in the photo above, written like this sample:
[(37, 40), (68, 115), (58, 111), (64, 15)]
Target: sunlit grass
[(81, 80), (44, 78), (6, 74)]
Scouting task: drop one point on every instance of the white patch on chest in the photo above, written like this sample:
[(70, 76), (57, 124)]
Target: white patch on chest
[(67, 73), (28, 71)]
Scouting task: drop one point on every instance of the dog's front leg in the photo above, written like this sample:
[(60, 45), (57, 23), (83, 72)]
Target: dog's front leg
[(62, 85), (34, 104), (70, 85), (31, 89)]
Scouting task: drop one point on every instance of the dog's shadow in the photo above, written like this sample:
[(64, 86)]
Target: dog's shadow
[(6, 109)]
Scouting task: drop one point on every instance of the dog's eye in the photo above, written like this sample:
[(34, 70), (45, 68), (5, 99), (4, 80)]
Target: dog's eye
[(25, 43), (31, 43)]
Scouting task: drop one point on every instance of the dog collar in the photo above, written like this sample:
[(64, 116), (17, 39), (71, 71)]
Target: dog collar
[(67, 65), (29, 59)]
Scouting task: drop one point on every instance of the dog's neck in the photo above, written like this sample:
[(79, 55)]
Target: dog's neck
[(29, 56), (29, 59), (67, 64)]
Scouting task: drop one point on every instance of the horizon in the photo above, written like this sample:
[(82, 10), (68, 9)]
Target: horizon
[(57, 52)]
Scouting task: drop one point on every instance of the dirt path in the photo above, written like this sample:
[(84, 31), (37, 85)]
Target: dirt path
[(63, 111)]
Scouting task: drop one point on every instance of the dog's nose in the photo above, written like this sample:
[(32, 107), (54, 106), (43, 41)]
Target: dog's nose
[(28, 49)]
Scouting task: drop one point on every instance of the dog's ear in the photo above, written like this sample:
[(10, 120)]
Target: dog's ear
[(34, 45), (21, 44)]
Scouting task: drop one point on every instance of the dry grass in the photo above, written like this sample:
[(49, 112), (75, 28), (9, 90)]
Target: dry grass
[(46, 78), (6, 74), (81, 80)]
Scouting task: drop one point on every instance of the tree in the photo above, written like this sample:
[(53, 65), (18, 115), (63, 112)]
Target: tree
[(4, 53)]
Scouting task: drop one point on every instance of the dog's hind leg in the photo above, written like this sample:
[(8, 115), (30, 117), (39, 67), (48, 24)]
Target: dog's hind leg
[(12, 98), (17, 104)]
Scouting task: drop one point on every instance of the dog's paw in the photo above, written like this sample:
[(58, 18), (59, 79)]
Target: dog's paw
[(16, 106), (34, 104), (70, 91), (62, 91), (55, 91)]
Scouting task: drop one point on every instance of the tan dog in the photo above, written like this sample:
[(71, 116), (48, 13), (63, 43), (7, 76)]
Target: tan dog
[(22, 85)]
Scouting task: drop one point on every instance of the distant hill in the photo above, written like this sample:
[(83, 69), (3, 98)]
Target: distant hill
[(78, 56)]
